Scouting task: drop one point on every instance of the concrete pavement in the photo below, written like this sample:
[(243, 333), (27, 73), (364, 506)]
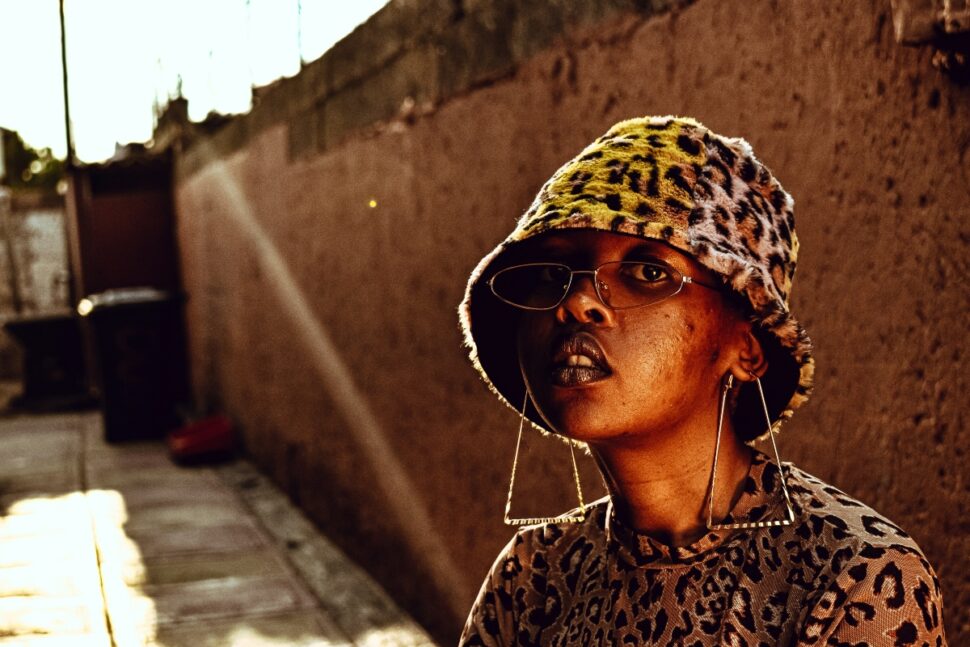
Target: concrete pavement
[(113, 545)]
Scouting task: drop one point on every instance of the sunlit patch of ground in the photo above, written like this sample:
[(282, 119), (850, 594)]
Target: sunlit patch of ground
[(49, 582), (125, 548)]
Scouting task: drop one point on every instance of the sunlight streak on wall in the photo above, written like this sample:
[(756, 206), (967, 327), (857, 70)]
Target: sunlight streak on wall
[(410, 512)]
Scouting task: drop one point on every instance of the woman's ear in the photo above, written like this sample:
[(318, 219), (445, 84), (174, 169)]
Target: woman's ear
[(751, 357)]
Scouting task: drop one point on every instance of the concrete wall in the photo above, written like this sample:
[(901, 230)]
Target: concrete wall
[(37, 243), (327, 326)]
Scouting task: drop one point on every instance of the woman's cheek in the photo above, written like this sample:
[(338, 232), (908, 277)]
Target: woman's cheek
[(529, 340), (649, 351)]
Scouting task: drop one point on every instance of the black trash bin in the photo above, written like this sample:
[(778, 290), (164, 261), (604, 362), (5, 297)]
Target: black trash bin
[(136, 341), (53, 365)]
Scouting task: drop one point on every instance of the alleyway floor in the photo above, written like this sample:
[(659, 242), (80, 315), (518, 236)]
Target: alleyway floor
[(114, 545)]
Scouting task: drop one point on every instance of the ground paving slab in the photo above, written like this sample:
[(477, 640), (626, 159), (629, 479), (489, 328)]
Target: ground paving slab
[(111, 545)]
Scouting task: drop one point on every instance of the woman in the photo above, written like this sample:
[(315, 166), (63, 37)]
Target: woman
[(640, 310)]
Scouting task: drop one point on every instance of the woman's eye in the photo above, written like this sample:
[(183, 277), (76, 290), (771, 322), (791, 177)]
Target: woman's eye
[(646, 273), (554, 274)]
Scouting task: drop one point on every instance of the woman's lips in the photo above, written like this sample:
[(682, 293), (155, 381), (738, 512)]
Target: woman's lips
[(576, 375), (577, 359)]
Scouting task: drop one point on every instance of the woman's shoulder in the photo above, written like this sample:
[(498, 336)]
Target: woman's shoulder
[(516, 584), (861, 544), (826, 511), (874, 571)]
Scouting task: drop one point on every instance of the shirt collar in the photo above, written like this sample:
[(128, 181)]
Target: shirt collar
[(761, 498)]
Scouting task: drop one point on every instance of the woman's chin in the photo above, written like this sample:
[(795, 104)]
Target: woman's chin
[(579, 412), (577, 425)]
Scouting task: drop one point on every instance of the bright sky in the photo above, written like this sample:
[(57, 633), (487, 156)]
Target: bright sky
[(123, 55)]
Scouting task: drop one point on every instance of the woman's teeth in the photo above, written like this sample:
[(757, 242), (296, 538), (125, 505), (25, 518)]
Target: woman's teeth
[(579, 360)]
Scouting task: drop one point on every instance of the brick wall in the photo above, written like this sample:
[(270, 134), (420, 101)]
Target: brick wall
[(328, 327)]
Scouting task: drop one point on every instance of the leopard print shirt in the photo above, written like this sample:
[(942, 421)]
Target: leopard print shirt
[(841, 575)]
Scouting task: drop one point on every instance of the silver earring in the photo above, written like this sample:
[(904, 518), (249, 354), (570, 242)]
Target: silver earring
[(781, 470), (563, 518)]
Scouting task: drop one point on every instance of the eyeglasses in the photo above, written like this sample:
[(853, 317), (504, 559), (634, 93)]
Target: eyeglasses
[(618, 284)]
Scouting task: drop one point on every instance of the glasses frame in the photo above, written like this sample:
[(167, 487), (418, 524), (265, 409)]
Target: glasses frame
[(684, 280)]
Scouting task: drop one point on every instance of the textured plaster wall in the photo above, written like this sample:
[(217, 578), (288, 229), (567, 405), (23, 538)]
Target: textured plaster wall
[(313, 314), (40, 254)]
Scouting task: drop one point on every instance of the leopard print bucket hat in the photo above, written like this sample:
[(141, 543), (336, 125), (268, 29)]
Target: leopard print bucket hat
[(671, 179)]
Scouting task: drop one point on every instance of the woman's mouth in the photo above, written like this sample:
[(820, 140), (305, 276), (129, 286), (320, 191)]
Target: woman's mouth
[(576, 375), (577, 359)]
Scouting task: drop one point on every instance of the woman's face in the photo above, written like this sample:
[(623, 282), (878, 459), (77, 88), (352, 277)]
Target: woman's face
[(654, 366)]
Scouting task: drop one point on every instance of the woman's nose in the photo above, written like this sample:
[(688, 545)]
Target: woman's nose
[(583, 304)]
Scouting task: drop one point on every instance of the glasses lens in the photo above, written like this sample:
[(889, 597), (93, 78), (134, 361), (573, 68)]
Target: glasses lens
[(628, 284), (536, 285)]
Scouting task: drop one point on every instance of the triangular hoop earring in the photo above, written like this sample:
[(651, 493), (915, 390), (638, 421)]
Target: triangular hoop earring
[(563, 518), (781, 470)]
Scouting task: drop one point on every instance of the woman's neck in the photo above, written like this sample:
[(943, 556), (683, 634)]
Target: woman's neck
[(660, 484)]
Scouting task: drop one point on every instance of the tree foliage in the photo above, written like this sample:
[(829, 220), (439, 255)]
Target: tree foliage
[(27, 167)]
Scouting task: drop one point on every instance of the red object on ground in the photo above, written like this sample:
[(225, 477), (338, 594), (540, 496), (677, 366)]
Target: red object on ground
[(208, 436)]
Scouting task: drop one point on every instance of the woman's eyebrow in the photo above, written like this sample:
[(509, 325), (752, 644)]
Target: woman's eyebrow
[(641, 251), (554, 250), (555, 243)]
